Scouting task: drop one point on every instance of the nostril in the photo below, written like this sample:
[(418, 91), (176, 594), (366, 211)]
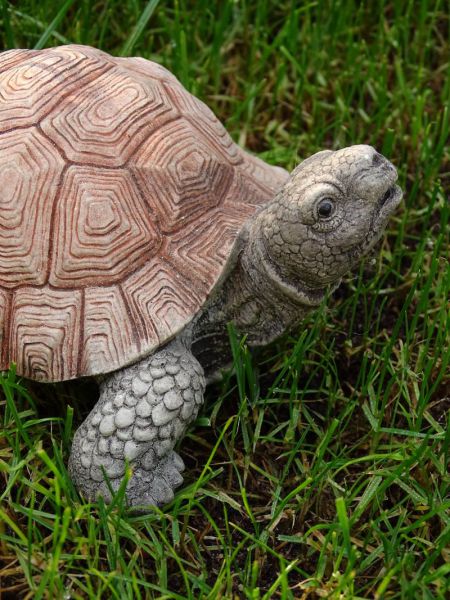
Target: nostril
[(377, 159), (386, 196)]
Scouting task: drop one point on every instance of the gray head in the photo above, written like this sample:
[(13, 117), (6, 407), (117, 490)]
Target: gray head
[(329, 214)]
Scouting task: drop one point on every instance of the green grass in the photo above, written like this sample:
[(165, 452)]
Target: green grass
[(320, 468)]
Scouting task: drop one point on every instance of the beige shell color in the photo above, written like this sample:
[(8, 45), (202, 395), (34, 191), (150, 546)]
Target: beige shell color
[(121, 195)]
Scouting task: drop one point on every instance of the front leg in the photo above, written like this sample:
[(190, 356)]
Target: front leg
[(142, 412)]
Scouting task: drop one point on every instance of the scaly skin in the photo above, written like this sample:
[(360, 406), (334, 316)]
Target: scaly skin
[(142, 411), (285, 260)]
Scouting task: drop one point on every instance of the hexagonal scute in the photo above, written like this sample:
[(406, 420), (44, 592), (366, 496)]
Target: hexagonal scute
[(202, 251), (33, 86), (203, 118), (44, 339), (109, 340), (30, 171), (161, 300), (10, 58), (105, 121), (102, 228), (182, 174), (258, 173)]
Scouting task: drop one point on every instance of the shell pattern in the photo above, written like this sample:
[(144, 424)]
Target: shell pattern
[(121, 195)]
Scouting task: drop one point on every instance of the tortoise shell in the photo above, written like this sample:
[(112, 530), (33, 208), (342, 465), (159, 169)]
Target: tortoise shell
[(121, 197)]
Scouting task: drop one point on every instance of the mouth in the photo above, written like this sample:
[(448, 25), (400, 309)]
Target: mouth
[(385, 206), (390, 199)]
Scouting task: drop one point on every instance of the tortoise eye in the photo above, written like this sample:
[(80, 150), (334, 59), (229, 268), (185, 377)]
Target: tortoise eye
[(325, 208)]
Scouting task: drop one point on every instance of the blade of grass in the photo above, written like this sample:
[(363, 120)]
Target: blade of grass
[(138, 29), (53, 25)]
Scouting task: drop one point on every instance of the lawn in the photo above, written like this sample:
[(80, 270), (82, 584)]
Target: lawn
[(319, 467)]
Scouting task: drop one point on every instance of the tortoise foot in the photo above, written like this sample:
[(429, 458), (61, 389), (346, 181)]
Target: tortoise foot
[(156, 487)]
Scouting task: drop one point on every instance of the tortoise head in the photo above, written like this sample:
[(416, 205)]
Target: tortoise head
[(328, 215)]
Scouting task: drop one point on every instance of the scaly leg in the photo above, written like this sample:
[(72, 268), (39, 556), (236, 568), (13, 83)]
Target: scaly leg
[(142, 412)]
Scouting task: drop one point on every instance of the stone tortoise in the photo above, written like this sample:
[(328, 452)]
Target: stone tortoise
[(133, 229)]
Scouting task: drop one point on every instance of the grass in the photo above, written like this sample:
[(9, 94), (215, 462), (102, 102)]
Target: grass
[(319, 469)]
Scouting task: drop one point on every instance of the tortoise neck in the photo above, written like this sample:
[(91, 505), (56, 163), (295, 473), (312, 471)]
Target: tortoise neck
[(256, 297)]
